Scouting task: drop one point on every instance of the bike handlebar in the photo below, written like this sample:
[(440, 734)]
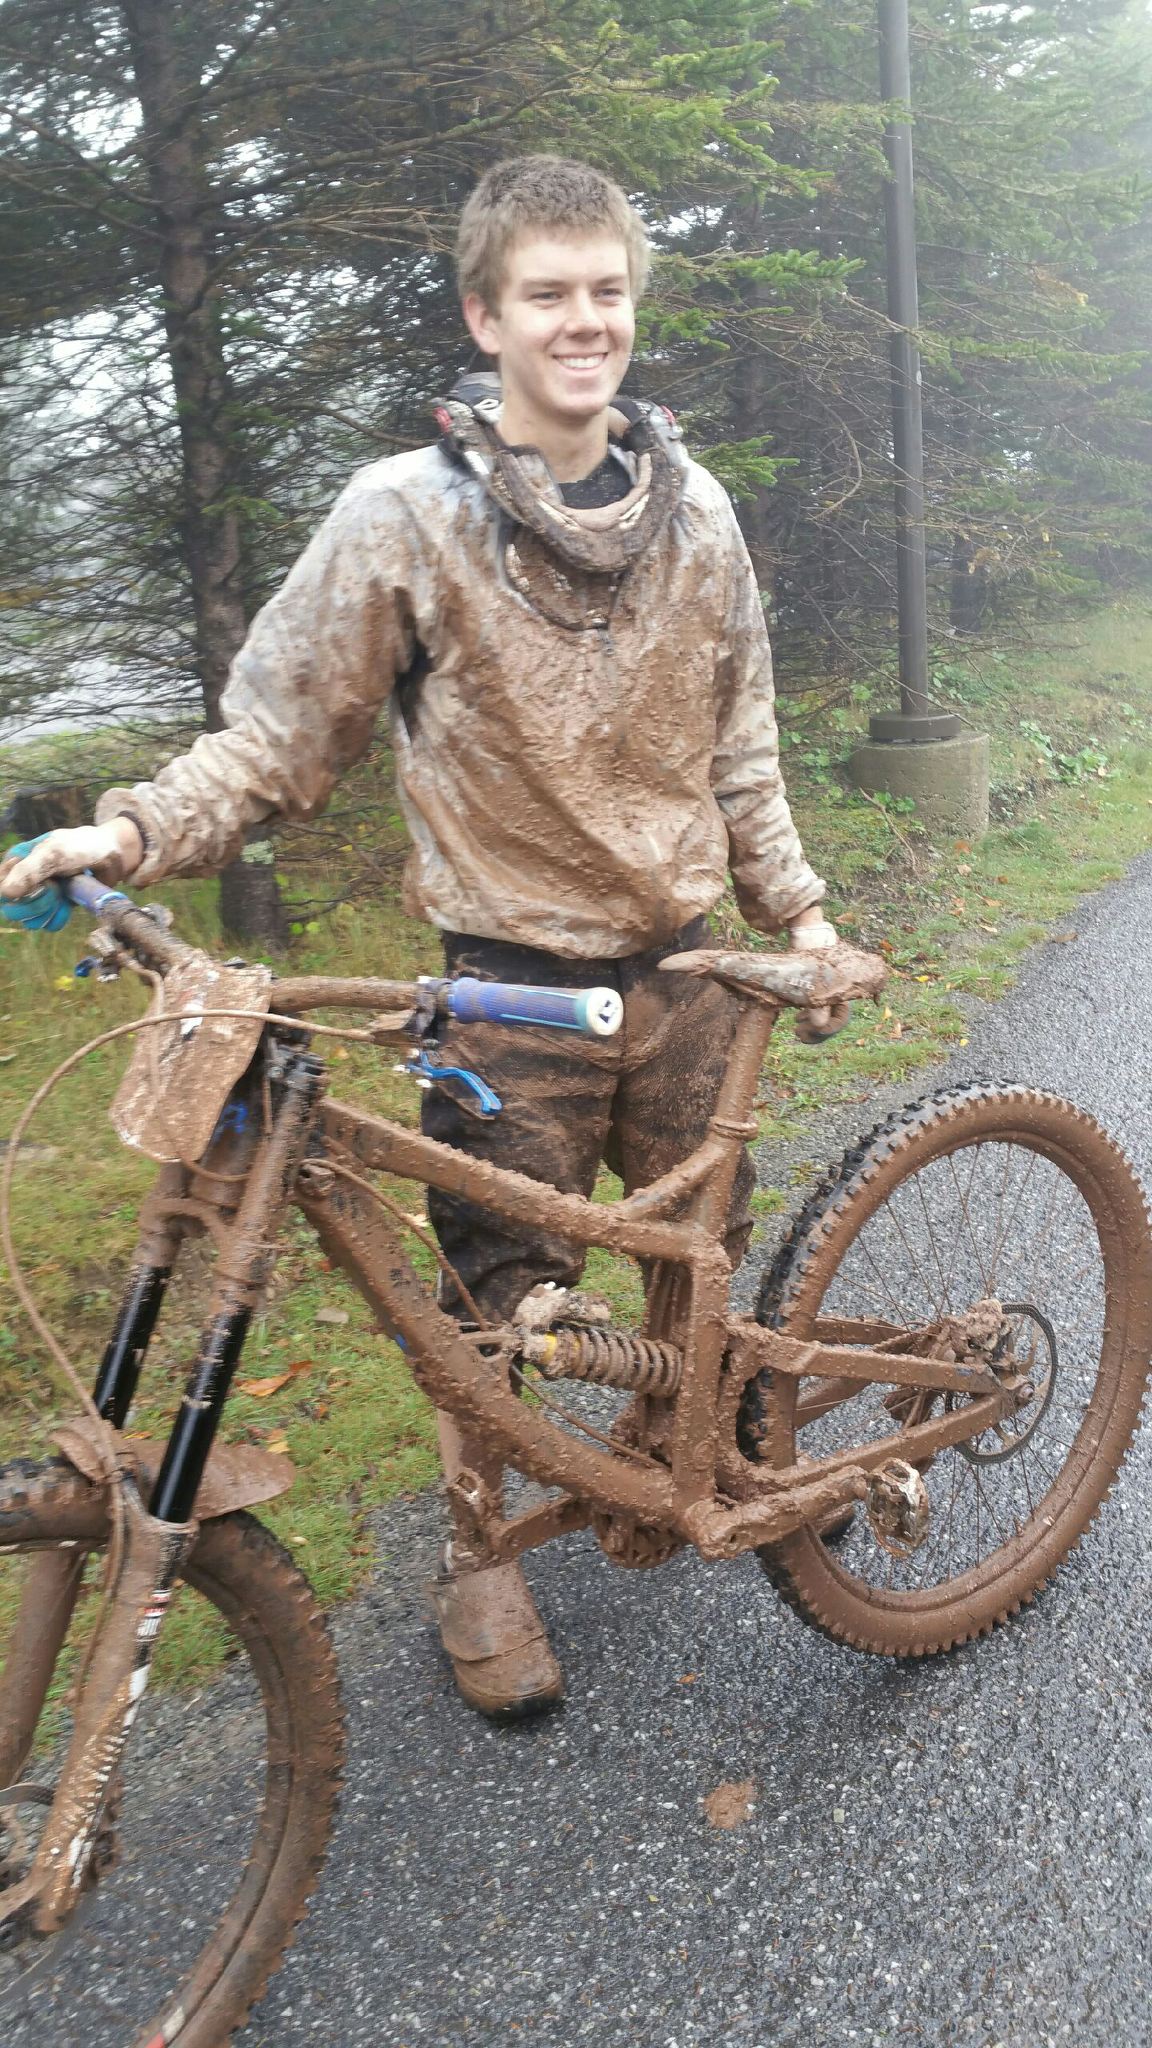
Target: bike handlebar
[(89, 894), (593, 1012)]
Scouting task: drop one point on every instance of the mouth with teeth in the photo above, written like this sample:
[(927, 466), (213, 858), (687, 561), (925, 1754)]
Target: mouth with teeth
[(581, 362)]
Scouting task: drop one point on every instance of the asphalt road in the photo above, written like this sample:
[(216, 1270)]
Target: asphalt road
[(958, 1851)]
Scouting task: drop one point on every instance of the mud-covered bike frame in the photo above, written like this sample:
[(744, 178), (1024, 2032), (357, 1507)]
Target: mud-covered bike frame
[(315, 1152)]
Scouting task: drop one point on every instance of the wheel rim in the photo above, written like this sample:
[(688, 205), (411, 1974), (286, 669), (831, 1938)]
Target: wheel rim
[(1002, 1216)]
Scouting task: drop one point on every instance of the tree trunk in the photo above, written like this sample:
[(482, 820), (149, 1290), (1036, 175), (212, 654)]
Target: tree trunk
[(167, 86)]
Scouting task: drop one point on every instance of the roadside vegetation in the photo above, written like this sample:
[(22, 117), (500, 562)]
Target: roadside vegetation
[(1072, 798)]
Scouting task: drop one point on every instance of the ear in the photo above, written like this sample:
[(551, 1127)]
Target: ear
[(483, 325)]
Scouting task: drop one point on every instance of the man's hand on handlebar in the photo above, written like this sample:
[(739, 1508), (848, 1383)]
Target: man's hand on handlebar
[(112, 852)]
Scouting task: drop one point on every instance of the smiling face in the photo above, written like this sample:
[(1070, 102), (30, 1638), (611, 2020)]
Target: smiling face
[(563, 334)]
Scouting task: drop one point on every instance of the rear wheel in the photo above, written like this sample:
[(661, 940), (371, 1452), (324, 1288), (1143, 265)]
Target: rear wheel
[(991, 1192), (218, 1829)]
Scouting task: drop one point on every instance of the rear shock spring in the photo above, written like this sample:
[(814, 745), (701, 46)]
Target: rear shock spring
[(608, 1358)]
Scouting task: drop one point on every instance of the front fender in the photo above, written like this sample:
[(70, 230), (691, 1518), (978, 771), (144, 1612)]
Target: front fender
[(236, 1475)]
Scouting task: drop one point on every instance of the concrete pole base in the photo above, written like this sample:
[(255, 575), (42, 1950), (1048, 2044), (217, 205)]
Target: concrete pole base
[(946, 779)]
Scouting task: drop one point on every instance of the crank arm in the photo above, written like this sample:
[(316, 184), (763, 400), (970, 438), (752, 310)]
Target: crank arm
[(720, 1532)]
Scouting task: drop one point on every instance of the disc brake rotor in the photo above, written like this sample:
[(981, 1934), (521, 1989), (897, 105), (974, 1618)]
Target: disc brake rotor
[(1030, 1349)]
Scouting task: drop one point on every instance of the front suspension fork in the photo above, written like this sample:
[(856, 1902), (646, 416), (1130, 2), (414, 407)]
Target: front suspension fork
[(52, 1583), (154, 1540)]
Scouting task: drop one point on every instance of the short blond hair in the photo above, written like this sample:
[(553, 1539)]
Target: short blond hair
[(553, 192)]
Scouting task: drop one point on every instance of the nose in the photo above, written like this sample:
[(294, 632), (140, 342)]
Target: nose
[(583, 313)]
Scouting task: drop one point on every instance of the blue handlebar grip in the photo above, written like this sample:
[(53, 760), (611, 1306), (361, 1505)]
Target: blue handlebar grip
[(595, 1012), (89, 894)]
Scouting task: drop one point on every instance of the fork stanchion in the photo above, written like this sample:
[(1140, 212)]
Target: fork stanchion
[(239, 1285)]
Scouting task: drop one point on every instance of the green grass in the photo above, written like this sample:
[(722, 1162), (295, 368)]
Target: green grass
[(952, 919)]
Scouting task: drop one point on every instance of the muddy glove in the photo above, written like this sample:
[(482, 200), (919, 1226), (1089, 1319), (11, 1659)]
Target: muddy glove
[(46, 910), (826, 1019), (110, 851)]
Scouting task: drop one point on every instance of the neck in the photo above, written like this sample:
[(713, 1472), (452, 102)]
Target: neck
[(571, 450)]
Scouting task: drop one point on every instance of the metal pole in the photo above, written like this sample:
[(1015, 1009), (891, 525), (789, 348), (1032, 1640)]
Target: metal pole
[(916, 719)]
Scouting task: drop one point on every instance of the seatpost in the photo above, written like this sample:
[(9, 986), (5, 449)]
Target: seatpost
[(733, 1119)]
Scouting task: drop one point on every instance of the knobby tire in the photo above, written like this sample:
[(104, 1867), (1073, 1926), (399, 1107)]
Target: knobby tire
[(812, 1575)]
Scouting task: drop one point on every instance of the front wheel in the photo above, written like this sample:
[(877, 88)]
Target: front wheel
[(992, 1192), (216, 1833)]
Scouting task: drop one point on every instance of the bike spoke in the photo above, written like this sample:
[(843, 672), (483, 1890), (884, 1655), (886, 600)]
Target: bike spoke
[(996, 1220)]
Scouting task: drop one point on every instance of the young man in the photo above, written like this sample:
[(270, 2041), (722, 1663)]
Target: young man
[(557, 607)]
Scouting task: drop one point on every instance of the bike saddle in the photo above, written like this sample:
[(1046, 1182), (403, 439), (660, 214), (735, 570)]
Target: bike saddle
[(840, 974)]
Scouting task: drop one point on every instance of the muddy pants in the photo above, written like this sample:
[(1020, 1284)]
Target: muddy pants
[(641, 1101)]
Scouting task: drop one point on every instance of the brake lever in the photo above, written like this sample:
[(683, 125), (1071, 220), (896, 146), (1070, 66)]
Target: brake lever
[(426, 1071)]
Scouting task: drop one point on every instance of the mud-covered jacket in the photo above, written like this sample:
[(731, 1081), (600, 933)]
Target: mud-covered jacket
[(581, 702)]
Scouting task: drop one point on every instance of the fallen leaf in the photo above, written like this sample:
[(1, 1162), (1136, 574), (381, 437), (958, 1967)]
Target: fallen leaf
[(897, 1028), (689, 1678), (963, 867), (963, 846), (262, 1388), (331, 1315), (731, 1803), (993, 928), (277, 1445), (1065, 938), (64, 981)]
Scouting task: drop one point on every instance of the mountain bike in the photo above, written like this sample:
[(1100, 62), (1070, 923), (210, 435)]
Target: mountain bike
[(943, 1372)]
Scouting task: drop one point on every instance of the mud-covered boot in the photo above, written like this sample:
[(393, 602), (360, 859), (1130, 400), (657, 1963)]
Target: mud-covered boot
[(491, 1629)]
